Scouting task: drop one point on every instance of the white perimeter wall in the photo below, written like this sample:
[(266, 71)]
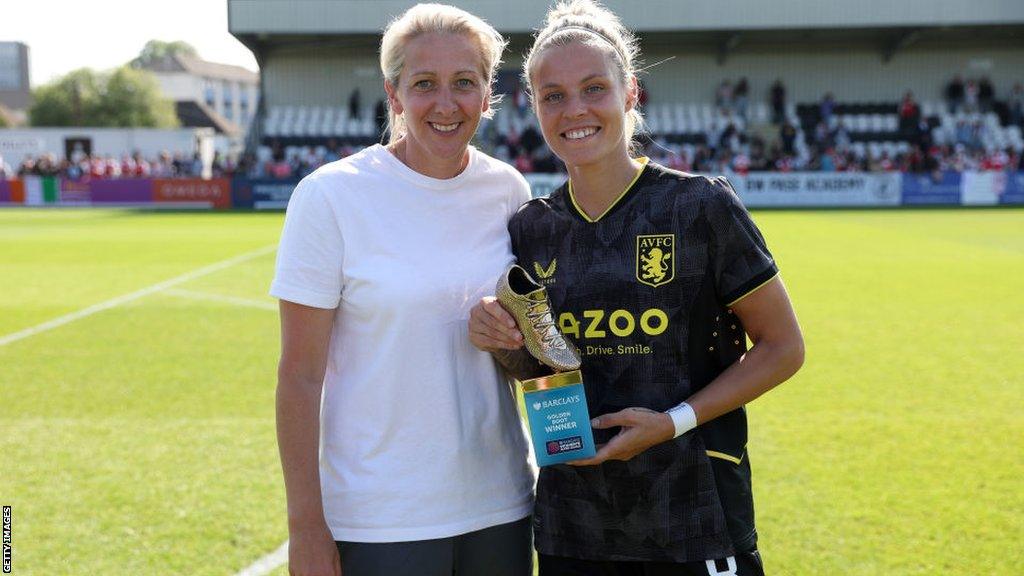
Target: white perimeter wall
[(15, 145)]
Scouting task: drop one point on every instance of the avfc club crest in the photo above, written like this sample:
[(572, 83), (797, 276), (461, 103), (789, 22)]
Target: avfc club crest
[(655, 259)]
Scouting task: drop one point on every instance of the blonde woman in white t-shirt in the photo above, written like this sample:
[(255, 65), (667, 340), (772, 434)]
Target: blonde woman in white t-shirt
[(418, 463)]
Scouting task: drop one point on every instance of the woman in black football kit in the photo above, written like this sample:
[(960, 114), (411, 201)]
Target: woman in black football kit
[(658, 277)]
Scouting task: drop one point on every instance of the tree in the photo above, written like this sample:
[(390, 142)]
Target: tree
[(119, 99), (156, 50), (132, 99), (67, 101)]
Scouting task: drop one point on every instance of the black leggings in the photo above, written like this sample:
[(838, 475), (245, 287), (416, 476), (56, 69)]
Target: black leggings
[(503, 550)]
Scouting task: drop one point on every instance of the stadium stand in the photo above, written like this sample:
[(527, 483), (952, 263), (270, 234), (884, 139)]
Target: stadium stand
[(827, 135)]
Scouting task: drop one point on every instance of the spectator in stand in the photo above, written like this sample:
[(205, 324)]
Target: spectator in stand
[(164, 167), (380, 115), (523, 162), (143, 168), (531, 139), (1015, 103), (741, 164), (701, 159), (923, 134), (827, 162), (955, 92), (332, 154), (545, 161), (195, 168), (723, 96), (822, 136), (910, 114), (885, 163), (787, 134), (997, 161), (963, 133), (758, 160), (217, 167), (930, 163), (778, 101), (827, 107), (354, 103), (741, 97), (841, 135), (728, 139), (986, 94), (112, 168), (521, 99), (971, 96)]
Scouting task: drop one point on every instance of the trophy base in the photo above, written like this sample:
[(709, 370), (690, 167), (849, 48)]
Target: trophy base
[(556, 408)]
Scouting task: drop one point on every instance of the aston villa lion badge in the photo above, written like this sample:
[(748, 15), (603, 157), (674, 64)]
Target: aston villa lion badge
[(655, 259)]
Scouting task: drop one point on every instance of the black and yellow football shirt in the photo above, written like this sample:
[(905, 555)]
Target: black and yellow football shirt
[(644, 291)]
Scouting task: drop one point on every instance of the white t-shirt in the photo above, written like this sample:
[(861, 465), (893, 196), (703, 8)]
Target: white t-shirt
[(420, 438)]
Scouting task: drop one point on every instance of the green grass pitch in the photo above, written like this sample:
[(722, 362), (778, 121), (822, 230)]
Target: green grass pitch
[(140, 439)]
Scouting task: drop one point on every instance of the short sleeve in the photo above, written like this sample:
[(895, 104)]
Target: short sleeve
[(520, 194), (740, 260), (311, 251)]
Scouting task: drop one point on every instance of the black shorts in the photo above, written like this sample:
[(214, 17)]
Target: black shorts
[(742, 564)]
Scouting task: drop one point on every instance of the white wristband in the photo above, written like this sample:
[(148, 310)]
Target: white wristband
[(683, 418)]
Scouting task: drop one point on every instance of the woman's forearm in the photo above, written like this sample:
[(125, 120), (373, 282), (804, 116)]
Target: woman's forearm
[(298, 439), (766, 365)]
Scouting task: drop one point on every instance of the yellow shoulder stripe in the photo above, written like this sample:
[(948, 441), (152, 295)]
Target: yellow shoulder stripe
[(754, 289)]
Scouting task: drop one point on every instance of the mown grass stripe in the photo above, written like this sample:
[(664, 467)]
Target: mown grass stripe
[(119, 300)]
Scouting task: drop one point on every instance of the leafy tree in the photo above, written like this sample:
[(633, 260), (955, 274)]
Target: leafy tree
[(132, 99), (67, 101), (122, 98), (156, 50)]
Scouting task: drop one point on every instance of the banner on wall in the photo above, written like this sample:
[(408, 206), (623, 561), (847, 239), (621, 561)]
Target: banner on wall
[(122, 191), (271, 194), (982, 188), (1014, 193), (756, 190), (931, 189), (7, 190), (215, 193), (75, 192), (33, 186), (796, 189)]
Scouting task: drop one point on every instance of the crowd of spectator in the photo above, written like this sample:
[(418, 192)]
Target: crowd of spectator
[(729, 145), (762, 158), (135, 165)]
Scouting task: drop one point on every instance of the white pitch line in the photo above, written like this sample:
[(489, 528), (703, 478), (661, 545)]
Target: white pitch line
[(68, 318), (268, 563), (235, 300)]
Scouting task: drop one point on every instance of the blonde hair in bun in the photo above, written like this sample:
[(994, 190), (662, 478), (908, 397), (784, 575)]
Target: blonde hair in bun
[(587, 22)]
